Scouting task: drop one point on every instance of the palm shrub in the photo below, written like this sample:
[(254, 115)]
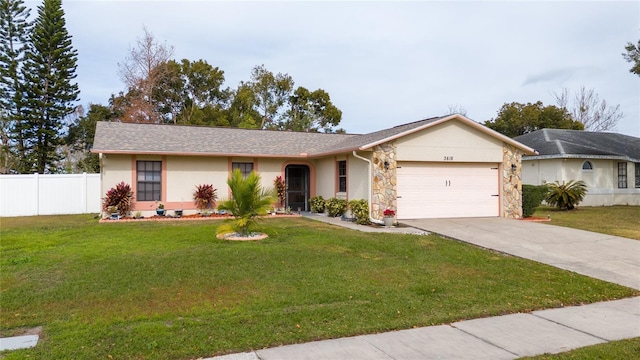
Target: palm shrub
[(248, 200), (532, 197), (336, 207), (318, 203), (281, 190), (118, 197), (360, 211), (205, 196), (566, 196)]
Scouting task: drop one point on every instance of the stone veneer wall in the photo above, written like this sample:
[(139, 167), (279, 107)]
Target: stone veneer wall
[(384, 181), (511, 182)]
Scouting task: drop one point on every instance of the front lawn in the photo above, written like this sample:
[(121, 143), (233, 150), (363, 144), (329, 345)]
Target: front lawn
[(170, 290), (623, 349), (613, 220)]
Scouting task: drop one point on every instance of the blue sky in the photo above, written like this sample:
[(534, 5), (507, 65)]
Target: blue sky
[(383, 63)]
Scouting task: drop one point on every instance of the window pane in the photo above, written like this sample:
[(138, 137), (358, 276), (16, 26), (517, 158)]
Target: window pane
[(622, 175), (244, 167), (342, 176), (638, 175), (149, 179)]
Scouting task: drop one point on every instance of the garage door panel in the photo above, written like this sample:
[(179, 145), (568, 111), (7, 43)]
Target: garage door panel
[(447, 190)]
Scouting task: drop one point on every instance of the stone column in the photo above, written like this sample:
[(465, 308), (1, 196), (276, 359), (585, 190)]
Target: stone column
[(511, 182), (384, 180)]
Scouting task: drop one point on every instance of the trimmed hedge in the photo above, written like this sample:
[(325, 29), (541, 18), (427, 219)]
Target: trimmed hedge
[(336, 207), (318, 204), (532, 196), (360, 211)]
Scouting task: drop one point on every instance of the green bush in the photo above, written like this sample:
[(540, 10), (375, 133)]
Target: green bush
[(360, 211), (336, 207), (248, 200), (532, 197), (318, 204), (566, 196)]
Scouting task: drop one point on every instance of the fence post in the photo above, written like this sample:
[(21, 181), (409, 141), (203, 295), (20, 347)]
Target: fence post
[(84, 191), (37, 191)]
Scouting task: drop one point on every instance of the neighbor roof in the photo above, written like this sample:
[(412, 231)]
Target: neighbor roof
[(559, 143), (132, 138)]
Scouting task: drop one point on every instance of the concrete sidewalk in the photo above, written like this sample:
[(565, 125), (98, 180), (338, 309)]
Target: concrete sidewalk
[(352, 225), (605, 257), (501, 337)]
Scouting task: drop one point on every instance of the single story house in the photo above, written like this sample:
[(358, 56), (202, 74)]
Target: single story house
[(608, 163), (447, 166)]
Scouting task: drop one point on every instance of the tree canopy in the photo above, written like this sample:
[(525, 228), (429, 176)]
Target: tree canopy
[(516, 119), (632, 55), (14, 37), (163, 90), (37, 69)]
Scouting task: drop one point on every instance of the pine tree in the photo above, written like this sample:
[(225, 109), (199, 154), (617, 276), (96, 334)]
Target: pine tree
[(49, 69), (14, 35)]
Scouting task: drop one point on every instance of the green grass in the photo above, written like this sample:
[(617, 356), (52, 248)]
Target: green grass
[(170, 290), (623, 349), (613, 220)]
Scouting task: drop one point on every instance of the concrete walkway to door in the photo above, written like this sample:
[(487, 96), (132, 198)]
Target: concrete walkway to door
[(610, 258)]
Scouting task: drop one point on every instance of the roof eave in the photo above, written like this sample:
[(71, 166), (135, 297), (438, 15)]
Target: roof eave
[(579, 156), (163, 153)]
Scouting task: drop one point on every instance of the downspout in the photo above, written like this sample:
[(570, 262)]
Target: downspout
[(370, 187)]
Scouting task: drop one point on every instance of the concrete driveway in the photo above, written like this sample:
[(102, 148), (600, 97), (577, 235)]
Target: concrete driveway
[(610, 258)]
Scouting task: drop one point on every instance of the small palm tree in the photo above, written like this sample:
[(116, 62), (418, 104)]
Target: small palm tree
[(566, 195), (248, 200)]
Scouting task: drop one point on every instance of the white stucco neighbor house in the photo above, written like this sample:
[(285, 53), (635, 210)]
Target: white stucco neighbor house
[(608, 163), (447, 166)]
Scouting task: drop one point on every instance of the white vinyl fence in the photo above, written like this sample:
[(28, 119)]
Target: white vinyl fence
[(37, 194)]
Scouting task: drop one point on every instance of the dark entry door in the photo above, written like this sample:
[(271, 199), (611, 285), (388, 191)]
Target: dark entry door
[(297, 179)]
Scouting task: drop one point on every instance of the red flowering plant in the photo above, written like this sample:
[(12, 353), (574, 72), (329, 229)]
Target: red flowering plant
[(389, 213)]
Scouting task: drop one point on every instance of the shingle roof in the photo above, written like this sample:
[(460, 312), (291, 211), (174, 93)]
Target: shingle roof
[(560, 143), (117, 137)]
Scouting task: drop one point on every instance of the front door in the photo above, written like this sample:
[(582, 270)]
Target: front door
[(297, 179)]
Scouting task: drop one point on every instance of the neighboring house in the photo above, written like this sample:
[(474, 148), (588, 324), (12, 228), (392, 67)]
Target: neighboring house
[(447, 166), (608, 163)]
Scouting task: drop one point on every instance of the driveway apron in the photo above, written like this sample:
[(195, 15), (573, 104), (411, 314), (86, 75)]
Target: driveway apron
[(610, 258)]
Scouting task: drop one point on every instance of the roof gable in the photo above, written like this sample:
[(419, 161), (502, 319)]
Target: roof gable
[(560, 143)]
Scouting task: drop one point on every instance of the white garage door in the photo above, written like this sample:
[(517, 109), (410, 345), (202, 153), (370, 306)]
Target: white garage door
[(433, 190)]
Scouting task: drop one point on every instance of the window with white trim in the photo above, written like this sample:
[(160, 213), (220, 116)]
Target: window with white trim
[(342, 176), (622, 175), (245, 167), (587, 165), (149, 180), (637, 175)]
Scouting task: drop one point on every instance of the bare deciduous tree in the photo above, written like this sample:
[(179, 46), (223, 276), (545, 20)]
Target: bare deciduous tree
[(587, 108), (457, 109), (142, 72)]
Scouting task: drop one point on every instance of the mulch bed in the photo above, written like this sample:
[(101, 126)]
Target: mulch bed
[(193, 217), (536, 219)]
